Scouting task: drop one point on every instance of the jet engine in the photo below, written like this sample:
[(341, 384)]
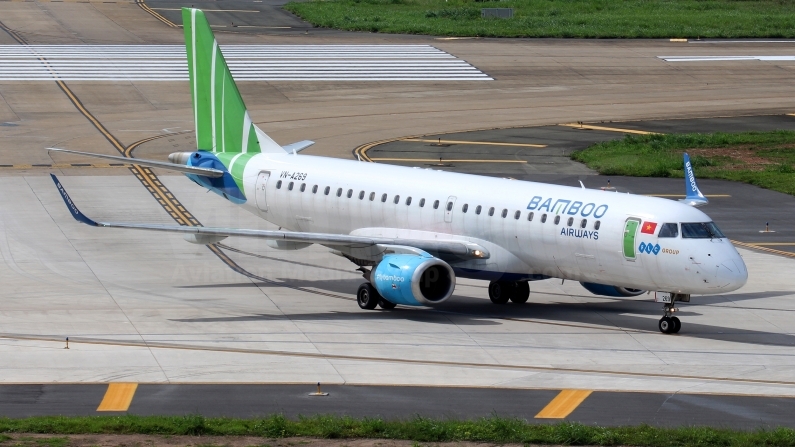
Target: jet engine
[(605, 290), (413, 280)]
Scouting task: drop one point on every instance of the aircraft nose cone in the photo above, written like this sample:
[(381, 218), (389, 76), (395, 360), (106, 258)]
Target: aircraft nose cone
[(733, 272)]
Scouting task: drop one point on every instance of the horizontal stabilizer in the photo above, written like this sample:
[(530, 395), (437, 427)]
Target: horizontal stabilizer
[(206, 172), (299, 146), (693, 196), (459, 249)]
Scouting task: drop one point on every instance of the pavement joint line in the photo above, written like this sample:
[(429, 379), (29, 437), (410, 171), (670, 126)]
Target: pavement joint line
[(563, 404), (161, 345), (434, 160), (349, 383), (483, 143), (609, 129), (118, 397)]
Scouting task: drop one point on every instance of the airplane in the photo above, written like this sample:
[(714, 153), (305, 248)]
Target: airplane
[(412, 231)]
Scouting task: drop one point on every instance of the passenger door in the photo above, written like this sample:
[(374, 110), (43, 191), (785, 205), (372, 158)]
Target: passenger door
[(630, 237), (261, 185)]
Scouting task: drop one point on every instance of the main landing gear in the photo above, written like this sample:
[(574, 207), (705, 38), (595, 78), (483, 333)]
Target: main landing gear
[(500, 292), (669, 324), (368, 298)]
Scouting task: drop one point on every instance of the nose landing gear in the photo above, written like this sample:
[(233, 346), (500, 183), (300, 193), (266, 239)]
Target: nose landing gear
[(669, 324)]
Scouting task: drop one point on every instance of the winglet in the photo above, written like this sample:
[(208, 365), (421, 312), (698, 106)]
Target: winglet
[(693, 196), (71, 205)]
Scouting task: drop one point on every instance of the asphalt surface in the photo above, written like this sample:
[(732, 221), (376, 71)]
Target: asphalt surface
[(218, 326), (391, 402), (740, 210), (240, 16)]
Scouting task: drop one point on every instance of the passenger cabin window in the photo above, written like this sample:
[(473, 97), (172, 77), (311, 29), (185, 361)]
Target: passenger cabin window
[(583, 223), (372, 196), (436, 204), (478, 209), (701, 230), (383, 197), (422, 203), (397, 200), (669, 230), (465, 208), (290, 186), (279, 184), (570, 222), (327, 190), (361, 195), (303, 187), (530, 216), (449, 206), (557, 220), (543, 218), (314, 189), (504, 213), (597, 224), (517, 215), (339, 192), (350, 193), (408, 201), (491, 211)]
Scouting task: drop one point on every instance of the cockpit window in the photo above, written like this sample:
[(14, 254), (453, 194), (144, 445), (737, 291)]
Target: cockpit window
[(669, 230), (701, 230)]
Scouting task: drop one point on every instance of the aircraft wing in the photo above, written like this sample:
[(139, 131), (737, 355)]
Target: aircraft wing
[(458, 249)]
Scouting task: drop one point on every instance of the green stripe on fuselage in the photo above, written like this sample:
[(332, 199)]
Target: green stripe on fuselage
[(236, 165)]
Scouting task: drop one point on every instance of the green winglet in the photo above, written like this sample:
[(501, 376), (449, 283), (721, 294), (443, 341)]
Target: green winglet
[(222, 121)]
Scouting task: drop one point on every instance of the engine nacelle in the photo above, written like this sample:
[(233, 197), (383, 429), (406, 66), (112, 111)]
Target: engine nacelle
[(605, 290), (413, 280)]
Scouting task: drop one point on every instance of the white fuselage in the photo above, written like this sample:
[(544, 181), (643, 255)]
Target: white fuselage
[(567, 243)]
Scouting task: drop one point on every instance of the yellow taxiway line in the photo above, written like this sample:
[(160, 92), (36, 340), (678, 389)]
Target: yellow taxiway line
[(436, 160), (483, 143), (118, 397), (563, 404), (609, 129), (682, 195), (788, 254), (774, 244), (207, 10)]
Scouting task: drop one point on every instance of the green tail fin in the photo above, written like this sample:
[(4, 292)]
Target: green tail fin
[(222, 121)]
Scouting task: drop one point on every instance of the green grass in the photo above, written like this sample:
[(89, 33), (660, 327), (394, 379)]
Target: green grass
[(765, 159), (558, 18), (493, 429)]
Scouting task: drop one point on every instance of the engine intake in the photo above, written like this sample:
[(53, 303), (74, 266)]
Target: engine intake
[(606, 290), (413, 280)]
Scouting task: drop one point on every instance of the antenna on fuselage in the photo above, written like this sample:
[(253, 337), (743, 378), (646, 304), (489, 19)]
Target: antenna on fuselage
[(583, 186)]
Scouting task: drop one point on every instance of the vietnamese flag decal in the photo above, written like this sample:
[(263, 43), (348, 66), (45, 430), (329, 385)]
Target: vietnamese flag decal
[(648, 227)]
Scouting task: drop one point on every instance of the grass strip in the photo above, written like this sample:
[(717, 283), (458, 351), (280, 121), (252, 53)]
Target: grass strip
[(420, 429), (764, 159), (558, 18)]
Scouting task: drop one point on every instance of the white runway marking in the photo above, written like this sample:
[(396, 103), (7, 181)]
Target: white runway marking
[(246, 62), (724, 58)]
